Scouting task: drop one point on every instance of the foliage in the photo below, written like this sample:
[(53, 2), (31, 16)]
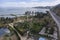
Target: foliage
[(4, 21), (56, 9)]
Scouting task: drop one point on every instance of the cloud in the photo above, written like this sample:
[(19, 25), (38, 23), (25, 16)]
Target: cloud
[(34, 0), (29, 4), (57, 1)]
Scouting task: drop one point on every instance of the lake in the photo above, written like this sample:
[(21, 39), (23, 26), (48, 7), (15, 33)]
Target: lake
[(4, 31), (5, 12)]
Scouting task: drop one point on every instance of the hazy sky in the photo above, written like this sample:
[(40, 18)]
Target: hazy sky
[(28, 3)]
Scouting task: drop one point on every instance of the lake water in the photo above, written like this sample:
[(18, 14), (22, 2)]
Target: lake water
[(4, 12), (4, 31), (42, 38)]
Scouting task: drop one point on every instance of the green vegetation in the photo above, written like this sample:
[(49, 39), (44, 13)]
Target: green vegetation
[(12, 33), (4, 21), (33, 23), (56, 9), (34, 26)]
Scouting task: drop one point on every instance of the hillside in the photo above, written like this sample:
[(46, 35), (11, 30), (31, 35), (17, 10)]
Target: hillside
[(46, 7), (56, 9)]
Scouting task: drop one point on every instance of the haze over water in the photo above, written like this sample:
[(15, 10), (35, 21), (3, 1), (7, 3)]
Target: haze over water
[(17, 11)]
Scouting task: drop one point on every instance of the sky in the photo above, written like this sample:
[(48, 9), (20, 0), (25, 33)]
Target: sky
[(28, 3)]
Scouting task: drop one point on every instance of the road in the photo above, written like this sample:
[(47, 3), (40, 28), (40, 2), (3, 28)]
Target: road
[(57, 20)]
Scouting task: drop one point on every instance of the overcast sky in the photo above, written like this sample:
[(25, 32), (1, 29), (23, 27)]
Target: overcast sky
[(28, 3)]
